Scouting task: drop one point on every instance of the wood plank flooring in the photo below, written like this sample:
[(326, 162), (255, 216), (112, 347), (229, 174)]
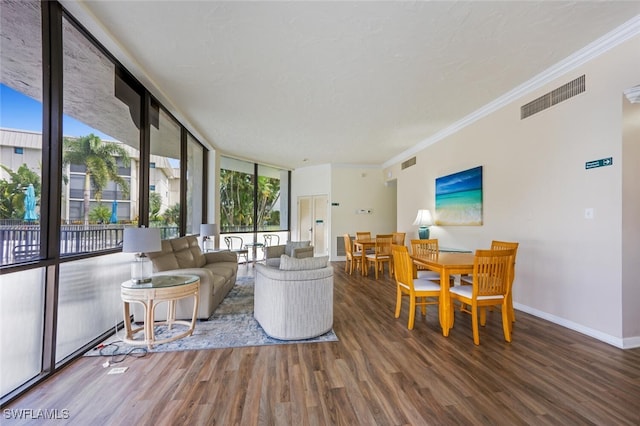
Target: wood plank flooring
[(378, 373)]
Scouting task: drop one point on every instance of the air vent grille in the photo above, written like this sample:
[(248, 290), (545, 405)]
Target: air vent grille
[(410, 162), (562, 93)]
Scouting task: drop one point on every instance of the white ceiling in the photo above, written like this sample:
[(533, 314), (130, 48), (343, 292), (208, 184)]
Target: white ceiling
[(303, 83)]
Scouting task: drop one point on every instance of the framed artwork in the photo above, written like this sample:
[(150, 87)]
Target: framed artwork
[(459, 198)]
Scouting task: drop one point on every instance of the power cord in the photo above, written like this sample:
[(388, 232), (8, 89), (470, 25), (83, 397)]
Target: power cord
[(113, 350)]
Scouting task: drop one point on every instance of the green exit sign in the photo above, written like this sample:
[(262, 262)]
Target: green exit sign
[(598, 163)]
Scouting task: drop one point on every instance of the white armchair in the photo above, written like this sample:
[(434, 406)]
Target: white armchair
[(294, 304)]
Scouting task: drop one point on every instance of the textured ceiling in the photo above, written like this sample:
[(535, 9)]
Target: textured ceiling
[(303, 83)]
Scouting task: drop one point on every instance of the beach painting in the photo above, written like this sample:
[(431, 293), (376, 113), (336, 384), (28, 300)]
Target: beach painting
[(459, 198)]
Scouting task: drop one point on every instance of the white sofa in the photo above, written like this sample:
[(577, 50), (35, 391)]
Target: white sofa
[(294, 301), (182, 256)]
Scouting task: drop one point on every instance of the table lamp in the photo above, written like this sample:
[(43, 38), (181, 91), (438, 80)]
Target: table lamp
[(139, 241), (207, 230), (423, 220)]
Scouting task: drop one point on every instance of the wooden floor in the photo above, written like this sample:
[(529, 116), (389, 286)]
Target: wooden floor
[(378, 373)]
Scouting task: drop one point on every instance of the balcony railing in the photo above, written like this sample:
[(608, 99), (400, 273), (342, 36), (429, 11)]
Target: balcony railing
[(22, 242)]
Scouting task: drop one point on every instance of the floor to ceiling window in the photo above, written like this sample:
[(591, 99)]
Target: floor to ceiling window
[(74, 167), (164, 173), (21, 294), (195, 183), (254, 202)]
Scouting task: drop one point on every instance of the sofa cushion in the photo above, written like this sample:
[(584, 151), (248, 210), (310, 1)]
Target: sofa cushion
[(288, 263), (187, 252), (288, 249), (224, 269)]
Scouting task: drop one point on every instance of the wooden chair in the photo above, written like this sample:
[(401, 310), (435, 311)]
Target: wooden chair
[(398, 238), (381, 254), (491, 287), (351, 257), (501, 245), (427, 248), (424, 290), (236, 245), (362, 235)]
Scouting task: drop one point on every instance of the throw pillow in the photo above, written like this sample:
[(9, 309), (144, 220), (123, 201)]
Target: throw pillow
[(288, 263), (288, 250)]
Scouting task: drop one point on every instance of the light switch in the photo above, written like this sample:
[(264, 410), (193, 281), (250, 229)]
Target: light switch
[(588, 213)]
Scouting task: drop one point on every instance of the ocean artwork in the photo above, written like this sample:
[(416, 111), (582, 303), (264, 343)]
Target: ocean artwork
[(459, 198)]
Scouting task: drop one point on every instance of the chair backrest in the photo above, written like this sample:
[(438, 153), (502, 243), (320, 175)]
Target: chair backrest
[(403, 266), (348, 248), (506, 245), (383, 244), (492, 272), (398, 238), (271, 240), (363, 235), (234, 243), (425, 248)]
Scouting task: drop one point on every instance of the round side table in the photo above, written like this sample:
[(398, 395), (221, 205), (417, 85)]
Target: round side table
[(162, 288)]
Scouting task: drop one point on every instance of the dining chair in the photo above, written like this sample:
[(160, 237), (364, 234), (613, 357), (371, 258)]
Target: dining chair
[(426, 248), (490, 287), (351, 257), (398, 238), (381, 255), (271, 240), (236, 245), (363, 235), (414, 288), (501, 245)]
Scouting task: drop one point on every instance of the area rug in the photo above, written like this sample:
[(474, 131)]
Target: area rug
[(231, 325)]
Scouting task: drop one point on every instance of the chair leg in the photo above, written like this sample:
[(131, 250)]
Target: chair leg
[(483, 316), (424, 306), (506, 322), (398, 302), (474, 324), (412, 311), (512, 312)]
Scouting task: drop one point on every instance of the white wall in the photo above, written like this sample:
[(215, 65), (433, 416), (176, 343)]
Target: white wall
[(536, 190), (630, 222), (354, 188), (312, 180)]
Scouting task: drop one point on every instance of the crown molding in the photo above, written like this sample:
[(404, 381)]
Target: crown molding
[(619, 35)]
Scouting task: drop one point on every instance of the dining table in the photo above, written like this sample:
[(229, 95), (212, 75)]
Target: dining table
[(447, 264)]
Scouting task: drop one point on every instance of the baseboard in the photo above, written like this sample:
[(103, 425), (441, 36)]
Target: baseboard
[(625, 343)]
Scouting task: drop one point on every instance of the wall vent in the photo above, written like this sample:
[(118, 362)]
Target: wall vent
[(556, 96), (410, 162)]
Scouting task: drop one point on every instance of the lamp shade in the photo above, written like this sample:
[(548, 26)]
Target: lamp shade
[(208, 229), (141, 240), (423, 218)]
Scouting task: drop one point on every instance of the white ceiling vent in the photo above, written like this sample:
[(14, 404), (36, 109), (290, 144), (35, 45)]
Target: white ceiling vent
[(562, 93), (410, 162)]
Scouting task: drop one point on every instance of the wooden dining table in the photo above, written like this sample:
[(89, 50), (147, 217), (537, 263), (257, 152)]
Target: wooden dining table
[(447, 264)]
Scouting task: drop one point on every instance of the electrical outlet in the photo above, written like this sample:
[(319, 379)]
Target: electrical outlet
[(117, 370)]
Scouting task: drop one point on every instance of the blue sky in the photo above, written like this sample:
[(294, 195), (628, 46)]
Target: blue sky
[(21, 112)]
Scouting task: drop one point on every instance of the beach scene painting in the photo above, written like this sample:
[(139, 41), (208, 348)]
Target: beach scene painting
[(459, 198)]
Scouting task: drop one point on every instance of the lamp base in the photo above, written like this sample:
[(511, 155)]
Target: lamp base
[(423, 233), (141, 269)]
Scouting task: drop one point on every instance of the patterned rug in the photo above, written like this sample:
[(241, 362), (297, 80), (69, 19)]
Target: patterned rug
[(231, 325)]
